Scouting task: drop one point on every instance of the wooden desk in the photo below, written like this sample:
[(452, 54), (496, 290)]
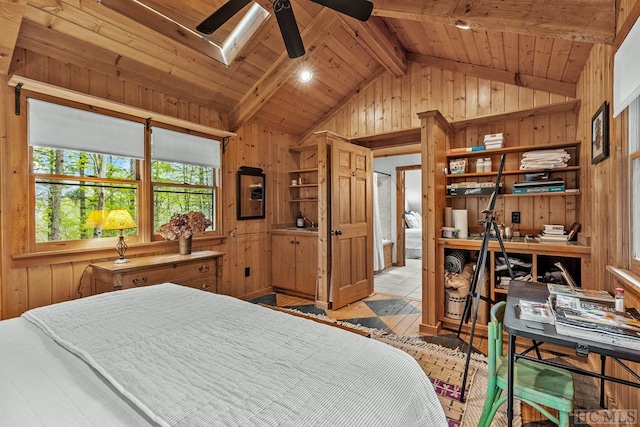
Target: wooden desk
[(200, 270), (545, 333)]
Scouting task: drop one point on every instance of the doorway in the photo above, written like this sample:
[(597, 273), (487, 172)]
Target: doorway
[(399, 185)]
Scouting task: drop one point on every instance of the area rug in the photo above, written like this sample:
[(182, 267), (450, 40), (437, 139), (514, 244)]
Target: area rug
[(445, 369)]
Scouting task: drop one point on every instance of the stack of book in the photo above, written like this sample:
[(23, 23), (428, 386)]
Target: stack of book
[(470, 188), (553, 233), (596, 322), (493, 140), (542, 185)]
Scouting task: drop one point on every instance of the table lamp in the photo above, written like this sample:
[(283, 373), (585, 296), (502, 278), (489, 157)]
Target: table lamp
[(119, 219), (95, 219)]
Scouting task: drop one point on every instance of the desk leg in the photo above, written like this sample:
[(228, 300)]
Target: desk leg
[(511, 357), (603, 359)]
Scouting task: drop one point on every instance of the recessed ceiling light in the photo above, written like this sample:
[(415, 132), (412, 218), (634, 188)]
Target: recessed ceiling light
[(463, 25), (305, 76)]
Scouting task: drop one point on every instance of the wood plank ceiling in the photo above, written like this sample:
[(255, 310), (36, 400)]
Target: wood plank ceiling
[(536, 43)]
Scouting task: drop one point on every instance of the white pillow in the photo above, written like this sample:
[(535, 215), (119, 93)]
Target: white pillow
[(418, 218), (411, 220)]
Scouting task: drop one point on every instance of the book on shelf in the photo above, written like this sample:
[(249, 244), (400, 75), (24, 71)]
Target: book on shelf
[(550, 228), (539, 183), (535, 311), (553, 237), (537, 190)]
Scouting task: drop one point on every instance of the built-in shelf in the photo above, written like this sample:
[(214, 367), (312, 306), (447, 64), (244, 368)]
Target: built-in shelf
[(303, 200), (560, 193), (310, 170), (511, 150), (513, 172), (303, 185)]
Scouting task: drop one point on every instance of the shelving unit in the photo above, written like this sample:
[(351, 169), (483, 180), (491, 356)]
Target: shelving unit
[(304, 197), (545, 127), (570, 173), (574, 256)]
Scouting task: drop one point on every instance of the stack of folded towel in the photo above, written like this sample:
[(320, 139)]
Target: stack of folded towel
[(544, 159)]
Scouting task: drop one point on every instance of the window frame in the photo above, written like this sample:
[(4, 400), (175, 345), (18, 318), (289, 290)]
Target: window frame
[(634, 263), (145, 232), (217, 181)]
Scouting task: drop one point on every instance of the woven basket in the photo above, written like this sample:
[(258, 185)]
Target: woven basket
[(453, 305)]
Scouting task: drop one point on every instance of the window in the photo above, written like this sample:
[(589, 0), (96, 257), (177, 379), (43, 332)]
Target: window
[(84, 164), (185, 172), (634, 165)]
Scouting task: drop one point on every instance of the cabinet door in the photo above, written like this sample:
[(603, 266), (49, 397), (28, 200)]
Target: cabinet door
[(306, 264), (283, 250)]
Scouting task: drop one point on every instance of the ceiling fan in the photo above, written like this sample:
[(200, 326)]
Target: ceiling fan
[(359, 9)]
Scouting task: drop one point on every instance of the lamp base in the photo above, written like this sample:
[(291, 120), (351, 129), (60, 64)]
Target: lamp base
[(121, 261)]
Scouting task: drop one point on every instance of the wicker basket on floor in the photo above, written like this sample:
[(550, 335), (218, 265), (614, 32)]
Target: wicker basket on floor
[(453, 304)]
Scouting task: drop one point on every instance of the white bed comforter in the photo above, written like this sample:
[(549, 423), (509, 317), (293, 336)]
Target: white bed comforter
[(191, 358)]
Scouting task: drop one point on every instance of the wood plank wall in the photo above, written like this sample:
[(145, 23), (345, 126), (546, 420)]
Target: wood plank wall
[(247, 243), (390, 104), (604, 206)]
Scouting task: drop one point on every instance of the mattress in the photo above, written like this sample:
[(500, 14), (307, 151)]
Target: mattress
[(413, 243), (42, 384), (173, 355)]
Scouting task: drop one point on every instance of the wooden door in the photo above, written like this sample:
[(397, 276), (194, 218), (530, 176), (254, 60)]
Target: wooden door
[(351, 223), (283, 249), (307, 264)]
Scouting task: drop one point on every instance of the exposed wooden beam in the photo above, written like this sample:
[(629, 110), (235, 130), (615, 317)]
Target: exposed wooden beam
[(68, 49), (590, 21), (280, 71), (376, 38), (531, 82), (11, 13)]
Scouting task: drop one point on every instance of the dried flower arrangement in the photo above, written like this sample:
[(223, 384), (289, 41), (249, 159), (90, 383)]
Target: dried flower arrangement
[(184, 225)]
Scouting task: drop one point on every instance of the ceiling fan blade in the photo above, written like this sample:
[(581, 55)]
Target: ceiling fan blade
[(359, 9), (288, 28), (222, 15)]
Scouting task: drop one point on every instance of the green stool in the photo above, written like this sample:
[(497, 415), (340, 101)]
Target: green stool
[(535, 383)]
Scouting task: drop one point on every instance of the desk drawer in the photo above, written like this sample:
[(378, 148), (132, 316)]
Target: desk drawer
[(177, 273)]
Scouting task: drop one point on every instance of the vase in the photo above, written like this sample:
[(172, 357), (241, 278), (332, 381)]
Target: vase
[(185, 245)]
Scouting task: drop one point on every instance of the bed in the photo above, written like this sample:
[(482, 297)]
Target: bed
[(174, 356), (413, 235)]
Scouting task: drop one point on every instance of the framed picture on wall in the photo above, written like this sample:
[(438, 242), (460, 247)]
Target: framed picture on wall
[(600, 134)]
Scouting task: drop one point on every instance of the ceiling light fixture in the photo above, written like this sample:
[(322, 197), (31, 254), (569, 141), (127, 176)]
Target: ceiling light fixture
[(305, 76), (463, 25)]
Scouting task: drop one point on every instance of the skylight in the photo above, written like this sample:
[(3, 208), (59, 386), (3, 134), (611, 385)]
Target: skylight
[(225, 53)]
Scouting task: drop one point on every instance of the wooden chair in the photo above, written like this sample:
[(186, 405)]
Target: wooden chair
[(535, 383)]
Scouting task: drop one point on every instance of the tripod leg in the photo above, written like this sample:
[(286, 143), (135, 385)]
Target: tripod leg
[(504, 251), (480, 276), (474, 281)]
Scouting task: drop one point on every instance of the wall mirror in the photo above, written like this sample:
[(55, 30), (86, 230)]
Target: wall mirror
[(251, 193)]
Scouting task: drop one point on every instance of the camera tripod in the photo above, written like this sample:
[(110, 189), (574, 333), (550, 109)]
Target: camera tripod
[(475, 289)]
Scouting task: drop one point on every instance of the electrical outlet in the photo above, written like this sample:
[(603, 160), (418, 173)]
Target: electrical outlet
[(515, 217), (247, 271)]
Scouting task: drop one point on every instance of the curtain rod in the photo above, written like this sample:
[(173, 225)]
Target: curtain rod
[(383, 173)]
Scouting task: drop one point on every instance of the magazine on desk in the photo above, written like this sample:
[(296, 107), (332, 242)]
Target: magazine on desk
[(594, 295), (596, 322), (572, 289), (535, 311)]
